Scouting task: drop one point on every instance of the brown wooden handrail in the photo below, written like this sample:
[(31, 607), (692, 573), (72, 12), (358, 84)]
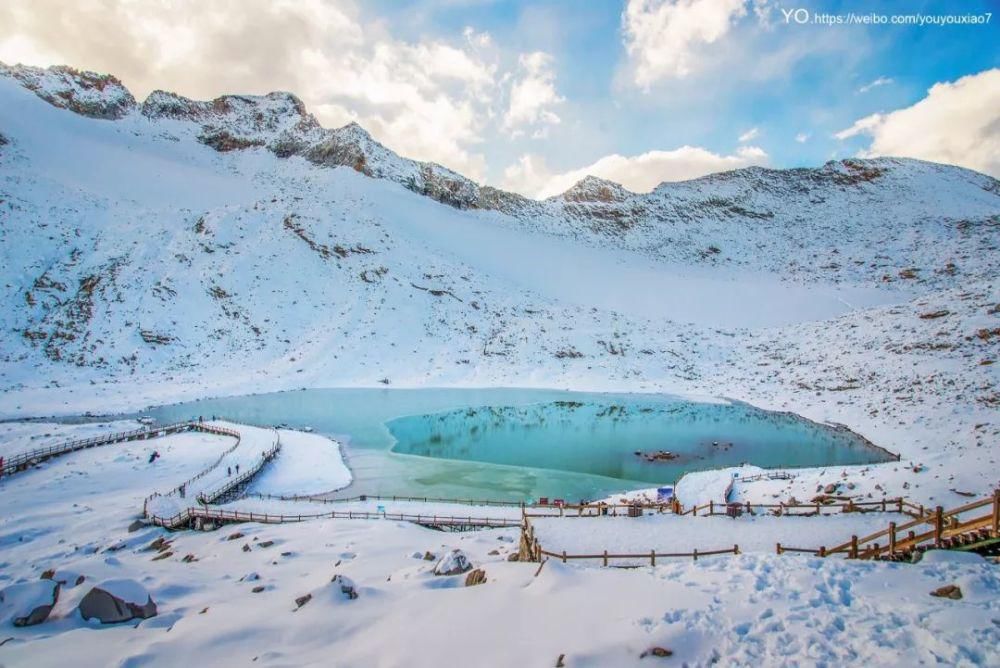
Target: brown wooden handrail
[(941, 528)]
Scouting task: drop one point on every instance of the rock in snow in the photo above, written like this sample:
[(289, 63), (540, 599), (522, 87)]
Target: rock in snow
[(453, 563), (115, 601), (28, 603), (476, 577), (346, 585)]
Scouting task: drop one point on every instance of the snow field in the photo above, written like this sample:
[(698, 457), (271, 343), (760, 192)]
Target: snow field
[(306, 464), (735, 610)]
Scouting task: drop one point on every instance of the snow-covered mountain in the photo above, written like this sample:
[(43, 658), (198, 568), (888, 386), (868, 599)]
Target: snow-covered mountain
[(238, 243)]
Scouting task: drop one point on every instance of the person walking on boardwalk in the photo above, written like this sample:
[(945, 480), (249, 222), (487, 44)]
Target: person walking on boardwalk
[(237, 469), (229, 470)]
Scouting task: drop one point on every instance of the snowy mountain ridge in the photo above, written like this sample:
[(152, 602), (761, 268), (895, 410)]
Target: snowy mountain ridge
[(280, 123)]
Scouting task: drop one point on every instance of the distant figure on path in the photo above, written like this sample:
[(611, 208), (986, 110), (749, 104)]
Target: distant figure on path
[(153, 456), (182, 489), (237, 469), (229, 470)]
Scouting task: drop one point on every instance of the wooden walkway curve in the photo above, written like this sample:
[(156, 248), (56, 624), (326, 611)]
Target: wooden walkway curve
[(25, 460)]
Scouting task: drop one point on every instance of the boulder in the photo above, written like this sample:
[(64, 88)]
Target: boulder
[(453, 563), (476, 577), (346, 586), (114, 601), (29, 603)]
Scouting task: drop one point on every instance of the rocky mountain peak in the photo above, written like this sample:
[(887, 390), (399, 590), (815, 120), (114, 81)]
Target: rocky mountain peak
[(83, 92), (595, 189)]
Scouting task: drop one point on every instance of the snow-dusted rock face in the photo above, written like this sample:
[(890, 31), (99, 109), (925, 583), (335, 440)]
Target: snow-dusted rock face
[(118, 600), (28, 603), (85, 93)]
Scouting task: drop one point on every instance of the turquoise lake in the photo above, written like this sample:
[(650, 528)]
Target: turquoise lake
[(520, 444)]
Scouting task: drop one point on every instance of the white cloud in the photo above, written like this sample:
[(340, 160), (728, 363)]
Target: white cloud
[(430, 99), (861, 126), (533, 95), (957, 122), (802, 137), (641, 173), (881, 81), (663, 37), (749, 135)]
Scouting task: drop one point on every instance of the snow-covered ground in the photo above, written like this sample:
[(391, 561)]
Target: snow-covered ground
[(670, 534), (233, 600), (310, 464)]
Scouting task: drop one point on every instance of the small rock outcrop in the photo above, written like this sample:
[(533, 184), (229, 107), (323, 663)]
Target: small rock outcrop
[(453, 563), (476, 577), (115, 601), (346, 585), (29, 603), (954, 592)]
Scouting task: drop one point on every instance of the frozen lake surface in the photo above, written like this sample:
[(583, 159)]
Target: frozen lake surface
[(519, 444)]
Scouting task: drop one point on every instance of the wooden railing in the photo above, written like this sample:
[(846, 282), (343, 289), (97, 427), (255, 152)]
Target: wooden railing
[(23, 460), (418, 499), (209, 428), (897, 505), (206, 497), (767, 475), (892, 541), (210, 496), (220, 515), (530, 549)]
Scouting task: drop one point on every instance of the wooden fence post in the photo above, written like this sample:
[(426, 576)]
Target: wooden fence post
[(938, 525), (736, 549), (822, 550), (779, 548), (711, 507), (892, 538), (652, 557), (564, 556), (996, 513), (854, 547), (605, 557)]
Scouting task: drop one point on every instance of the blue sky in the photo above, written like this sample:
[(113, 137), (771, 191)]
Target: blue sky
[(531, 95), (818, 94)]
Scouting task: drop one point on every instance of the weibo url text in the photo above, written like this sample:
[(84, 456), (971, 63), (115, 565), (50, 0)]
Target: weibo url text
[(804, 16)]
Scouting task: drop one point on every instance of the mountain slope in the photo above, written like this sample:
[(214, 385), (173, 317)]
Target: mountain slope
[(177, 247)]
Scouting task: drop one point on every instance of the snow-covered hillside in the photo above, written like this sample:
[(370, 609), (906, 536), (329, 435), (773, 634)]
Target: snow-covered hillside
[(177, 248)]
